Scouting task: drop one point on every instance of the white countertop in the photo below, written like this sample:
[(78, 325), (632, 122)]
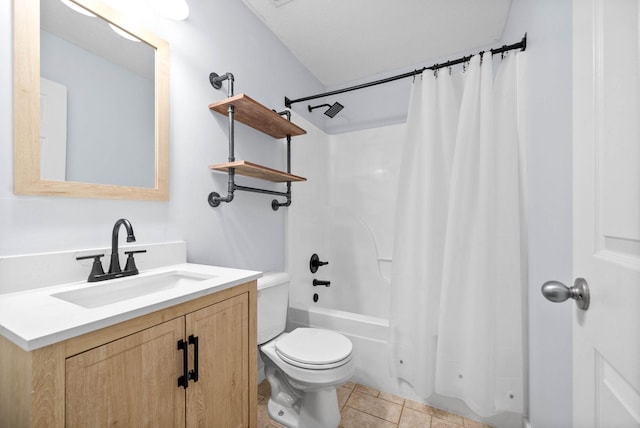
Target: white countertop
[(34, 318)]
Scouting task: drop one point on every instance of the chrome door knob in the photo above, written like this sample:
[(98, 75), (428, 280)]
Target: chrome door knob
[(556, 291)]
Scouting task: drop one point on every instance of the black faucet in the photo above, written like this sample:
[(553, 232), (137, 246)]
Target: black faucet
[(115, 271), (114, 266)]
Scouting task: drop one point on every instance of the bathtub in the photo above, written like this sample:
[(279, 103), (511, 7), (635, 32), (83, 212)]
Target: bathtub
[(369, 336)]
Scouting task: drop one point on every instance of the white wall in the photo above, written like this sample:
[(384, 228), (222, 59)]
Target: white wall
[(548, 23), (221, 36)]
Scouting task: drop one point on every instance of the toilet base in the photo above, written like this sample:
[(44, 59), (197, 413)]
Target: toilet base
[(283, 415), (319, 409), (295, 408), (303, 397)]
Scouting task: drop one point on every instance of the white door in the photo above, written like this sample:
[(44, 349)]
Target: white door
[(606, 203), (53, 130)]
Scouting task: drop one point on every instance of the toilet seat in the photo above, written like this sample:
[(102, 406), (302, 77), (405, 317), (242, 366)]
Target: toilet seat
[(314, 348)]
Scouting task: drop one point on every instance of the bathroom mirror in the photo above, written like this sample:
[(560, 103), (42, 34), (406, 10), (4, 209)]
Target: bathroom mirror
[(119, 150)]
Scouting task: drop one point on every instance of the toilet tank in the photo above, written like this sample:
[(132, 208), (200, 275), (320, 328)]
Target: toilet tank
[(273, 300)]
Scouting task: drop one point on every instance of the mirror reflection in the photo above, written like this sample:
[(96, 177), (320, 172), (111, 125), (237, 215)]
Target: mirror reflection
[(97, 100), (29, 106)]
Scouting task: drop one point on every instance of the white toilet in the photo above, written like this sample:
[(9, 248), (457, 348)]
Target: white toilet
[(303, 367)]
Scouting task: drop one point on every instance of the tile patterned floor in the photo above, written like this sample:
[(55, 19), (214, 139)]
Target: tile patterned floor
[(365, 407)]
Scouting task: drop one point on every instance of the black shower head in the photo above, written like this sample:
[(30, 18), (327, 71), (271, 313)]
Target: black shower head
[(331, 111), (334, 109)]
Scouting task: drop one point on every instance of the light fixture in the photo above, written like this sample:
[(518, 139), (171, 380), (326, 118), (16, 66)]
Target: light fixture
[(172, 9), (120, 32), (77, 8)]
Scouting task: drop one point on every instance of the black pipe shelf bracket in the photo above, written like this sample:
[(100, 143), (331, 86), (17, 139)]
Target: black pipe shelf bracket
[(245, 110)]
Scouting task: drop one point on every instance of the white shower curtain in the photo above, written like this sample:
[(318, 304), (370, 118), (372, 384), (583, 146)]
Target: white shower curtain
[(458, 271)]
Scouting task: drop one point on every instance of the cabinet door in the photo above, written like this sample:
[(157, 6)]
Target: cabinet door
[(131, 382), (220, 398)]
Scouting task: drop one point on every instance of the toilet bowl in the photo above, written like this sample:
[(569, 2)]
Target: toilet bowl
[(303, 367)]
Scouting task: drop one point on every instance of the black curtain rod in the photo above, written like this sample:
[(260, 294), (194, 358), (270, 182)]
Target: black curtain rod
[(522, 45)]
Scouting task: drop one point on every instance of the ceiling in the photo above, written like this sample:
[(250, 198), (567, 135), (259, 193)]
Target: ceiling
[(340, 41)]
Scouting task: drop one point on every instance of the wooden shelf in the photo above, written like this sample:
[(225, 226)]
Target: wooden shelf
[(257, 116), (249, 169)]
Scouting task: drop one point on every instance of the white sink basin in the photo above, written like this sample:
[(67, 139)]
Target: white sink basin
[(45, 315), (121, 289)]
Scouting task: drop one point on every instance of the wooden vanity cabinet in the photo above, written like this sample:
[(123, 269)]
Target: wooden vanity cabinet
[(221, 396), (127, 374), (130, 382)]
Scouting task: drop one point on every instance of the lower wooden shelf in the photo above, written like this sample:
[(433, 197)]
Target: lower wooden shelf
[(253, 170)]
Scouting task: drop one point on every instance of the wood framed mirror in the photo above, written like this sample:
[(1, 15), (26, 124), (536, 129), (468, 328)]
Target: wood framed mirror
[(30, 172)]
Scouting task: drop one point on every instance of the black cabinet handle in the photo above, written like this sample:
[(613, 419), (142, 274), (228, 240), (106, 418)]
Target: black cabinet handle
[(193, 374), (183, 380)]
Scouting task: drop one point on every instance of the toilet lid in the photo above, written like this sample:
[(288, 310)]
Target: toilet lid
[(314, 346)]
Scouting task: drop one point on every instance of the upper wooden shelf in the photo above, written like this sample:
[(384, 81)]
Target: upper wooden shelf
[(257, 116), (249, 169)]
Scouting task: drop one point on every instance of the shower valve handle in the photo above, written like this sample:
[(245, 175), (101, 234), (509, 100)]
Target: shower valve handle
[(317, 282), (315, 263)]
